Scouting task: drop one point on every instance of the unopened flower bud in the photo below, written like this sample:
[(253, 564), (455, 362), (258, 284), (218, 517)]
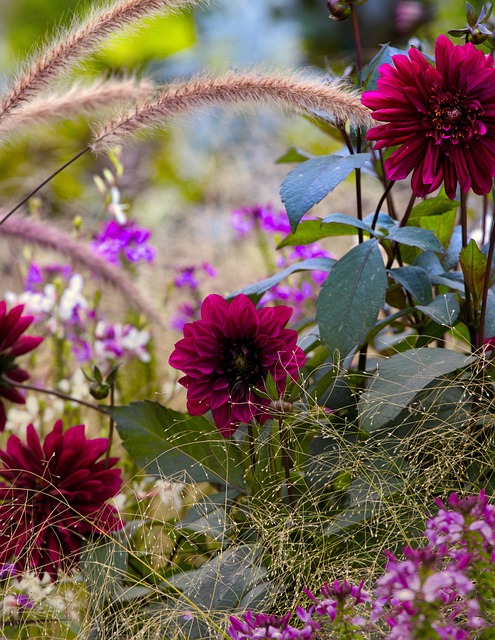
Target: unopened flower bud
[(99, 390), (338, 10)]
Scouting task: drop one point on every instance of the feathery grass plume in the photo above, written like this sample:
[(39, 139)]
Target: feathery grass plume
[(49, 237), (78, 100), (289, 91), (81, 40)]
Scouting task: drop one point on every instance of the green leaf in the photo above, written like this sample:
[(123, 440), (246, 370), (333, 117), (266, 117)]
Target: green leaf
[(399, 379), (369, 75), (338, 224), (451, 258), (294, 155), (168, 443), (209, 516), (311, 181), (256, 290), (344, 219), (414, 280), (474, 265), (351, 298), (416, 237), (220, 584), (444, 309), (436, 206)]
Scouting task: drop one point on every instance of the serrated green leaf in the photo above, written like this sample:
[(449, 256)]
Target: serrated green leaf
[(431, 207), (311, 181), (474, 265), (443, 310), (351, 298), (169, 443), (399, 379)]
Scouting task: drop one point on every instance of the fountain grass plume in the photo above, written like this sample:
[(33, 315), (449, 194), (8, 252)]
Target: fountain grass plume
[(290, 91), (81, 40), (78, 100), (49, 237)]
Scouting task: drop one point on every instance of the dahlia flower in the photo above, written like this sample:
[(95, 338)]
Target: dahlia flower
[(54, 495), (442, 118), (13, 344), (229, 352)]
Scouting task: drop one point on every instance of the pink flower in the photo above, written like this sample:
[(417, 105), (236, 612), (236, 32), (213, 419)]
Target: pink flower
[(229, 352), (55, 495), (442, 119), (13, 344)]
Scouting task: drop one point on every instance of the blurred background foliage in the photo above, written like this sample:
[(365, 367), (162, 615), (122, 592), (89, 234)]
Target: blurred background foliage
[(226, 34)]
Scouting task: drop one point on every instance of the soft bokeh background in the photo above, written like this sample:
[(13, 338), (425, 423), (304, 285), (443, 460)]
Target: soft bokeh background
[(184, 182)]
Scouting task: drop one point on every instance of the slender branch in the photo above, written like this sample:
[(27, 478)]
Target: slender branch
[(42, 184), (470, 313), (57, 394), (384, 197), (486, 284), (357, 38), (287, 462), (111, 425)]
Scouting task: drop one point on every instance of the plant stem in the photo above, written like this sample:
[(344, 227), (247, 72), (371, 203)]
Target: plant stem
[(287, 462), (251, 446), (58, 394), (111, 426), (470, 316), (357, 38), (486, 284), (384, 197), (42, 184)]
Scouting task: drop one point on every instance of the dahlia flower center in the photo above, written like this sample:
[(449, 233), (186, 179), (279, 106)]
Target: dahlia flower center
[(241, 363), (453, 118)]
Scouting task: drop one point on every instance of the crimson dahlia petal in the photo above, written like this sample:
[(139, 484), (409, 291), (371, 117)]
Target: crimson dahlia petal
[(441, 119), (53, 496), (13, 344), (230, 351)]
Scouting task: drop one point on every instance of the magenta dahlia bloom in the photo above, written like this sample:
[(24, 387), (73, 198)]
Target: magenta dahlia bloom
[(229, 352), (13, 344), (442, 119), (53, 496)]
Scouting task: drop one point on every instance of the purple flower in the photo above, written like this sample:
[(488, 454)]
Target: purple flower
[(264, 216), (470, 520), (263, 625), (127, 241), (229, 352), (441, 118), (187, 277)]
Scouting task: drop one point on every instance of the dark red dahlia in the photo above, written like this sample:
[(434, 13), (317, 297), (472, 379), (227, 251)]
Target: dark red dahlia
[(13, 344), (229, 352), (442, 119), (55, 495)]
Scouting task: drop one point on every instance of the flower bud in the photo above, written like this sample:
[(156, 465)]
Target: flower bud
[(338, 10), (99, 390)]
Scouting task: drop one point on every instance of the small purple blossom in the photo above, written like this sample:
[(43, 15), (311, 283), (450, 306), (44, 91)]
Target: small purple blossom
[(263, 625), (114, 341), (246, 219), (188, 277), (7, 570), (118, 243)]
